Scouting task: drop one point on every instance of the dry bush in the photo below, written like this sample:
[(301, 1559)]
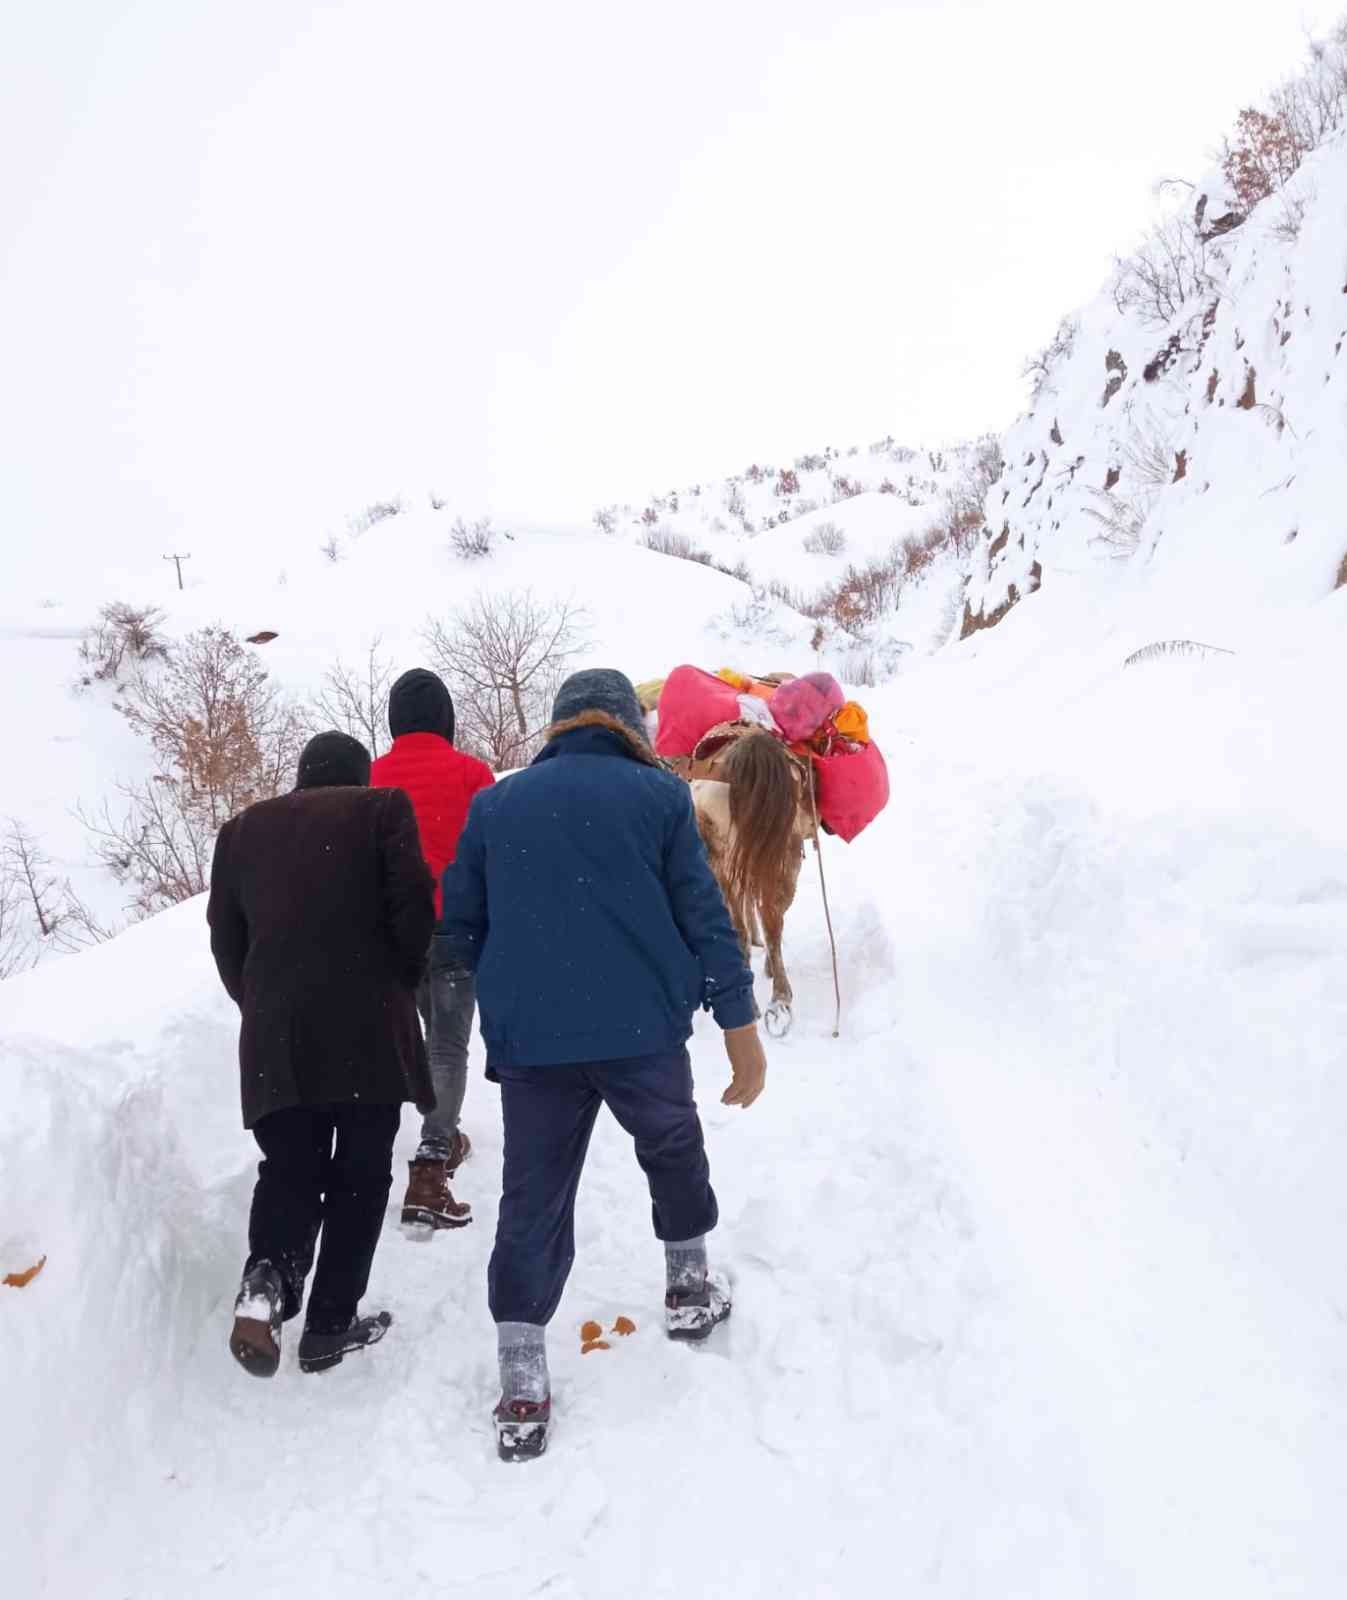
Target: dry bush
[(862, 596), (1174, 647), (825, 540), (224, 737), (1121, 519), (739, 571), (1272, 141), (1040, 368), (605, 519), (355, 699), (38, 911), (123, 636), (1263, 155), (962, 518), (666, 542), (1341, 580), (331, 549), (504, 657), (1167, 270), (377, 511), (471, 541)]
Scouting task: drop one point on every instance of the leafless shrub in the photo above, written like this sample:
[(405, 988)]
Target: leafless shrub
[(666, 542), (1121, 519), (331, 549), (739, 571), (735, 503), (437, 502), (962, 517), (1174, 647), (1291, 216), (355, 699), (223, 736), (827, 539), (605, 519), (472, 541), (38, 911), (1040, 368), (123, 636), (1168, 269), (377, 511), (504, 657)]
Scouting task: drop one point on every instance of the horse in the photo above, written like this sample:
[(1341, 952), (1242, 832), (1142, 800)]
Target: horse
[(755, 810)]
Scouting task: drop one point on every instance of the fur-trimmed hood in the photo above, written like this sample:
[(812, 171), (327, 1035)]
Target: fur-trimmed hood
[(636, 745)]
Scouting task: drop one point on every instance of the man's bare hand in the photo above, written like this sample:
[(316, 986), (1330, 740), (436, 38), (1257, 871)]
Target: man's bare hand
[(748, 1065)]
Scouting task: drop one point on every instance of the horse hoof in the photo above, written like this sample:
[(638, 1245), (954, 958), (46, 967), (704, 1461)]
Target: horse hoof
[(778, 1019)]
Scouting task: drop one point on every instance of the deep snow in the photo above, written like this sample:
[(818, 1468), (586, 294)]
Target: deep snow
[(1036, 1267), (1039, 1286)]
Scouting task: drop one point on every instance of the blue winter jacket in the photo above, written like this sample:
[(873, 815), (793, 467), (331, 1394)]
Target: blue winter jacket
[(582, 897)]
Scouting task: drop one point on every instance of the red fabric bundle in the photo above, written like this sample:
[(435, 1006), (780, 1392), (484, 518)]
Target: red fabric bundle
[(691, 702), (853, 788), (803, 705)]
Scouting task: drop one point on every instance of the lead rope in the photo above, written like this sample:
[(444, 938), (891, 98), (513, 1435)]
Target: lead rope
[(827, 914)]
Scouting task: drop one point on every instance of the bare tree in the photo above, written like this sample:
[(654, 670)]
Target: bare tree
[(1168, 270), (355, 699), (224, 738), (331, 548), (504, 657), (37, 910), (124, 635), (13, 924)]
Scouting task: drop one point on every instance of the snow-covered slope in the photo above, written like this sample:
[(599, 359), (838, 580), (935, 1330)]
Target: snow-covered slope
[(1204, 451), (1038, 1283), (1036, 1265)]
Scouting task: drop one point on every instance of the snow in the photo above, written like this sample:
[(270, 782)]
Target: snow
[(1036, 1270)]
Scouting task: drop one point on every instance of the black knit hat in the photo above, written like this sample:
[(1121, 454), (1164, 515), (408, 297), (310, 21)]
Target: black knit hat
[(419, 702), (600, 689), (333, 760)]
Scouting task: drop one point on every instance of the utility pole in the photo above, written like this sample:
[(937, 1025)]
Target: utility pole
[(177, 562)]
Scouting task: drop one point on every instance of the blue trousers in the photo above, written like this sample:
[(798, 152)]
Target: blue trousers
[(549, 1115)]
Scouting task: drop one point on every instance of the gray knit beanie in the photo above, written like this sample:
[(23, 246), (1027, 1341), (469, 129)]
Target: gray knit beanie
[(600, 689)]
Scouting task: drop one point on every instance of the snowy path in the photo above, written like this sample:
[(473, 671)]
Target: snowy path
[(1038, 1269)]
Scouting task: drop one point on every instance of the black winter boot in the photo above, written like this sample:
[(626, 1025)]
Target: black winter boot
[(319, 1351), (255, 1340)]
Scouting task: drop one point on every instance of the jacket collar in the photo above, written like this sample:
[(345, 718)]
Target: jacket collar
[(595, 733)]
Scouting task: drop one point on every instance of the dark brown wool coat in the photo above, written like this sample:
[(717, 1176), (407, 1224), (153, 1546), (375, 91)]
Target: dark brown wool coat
[(320, 914)]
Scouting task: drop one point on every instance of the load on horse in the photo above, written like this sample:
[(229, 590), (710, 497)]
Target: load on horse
[(771, 762)]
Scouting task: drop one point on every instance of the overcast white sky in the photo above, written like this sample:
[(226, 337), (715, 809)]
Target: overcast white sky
[(262, 261)]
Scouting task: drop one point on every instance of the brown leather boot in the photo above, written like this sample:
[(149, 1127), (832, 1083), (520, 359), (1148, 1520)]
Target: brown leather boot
[(459, 1151), (428, 1202)]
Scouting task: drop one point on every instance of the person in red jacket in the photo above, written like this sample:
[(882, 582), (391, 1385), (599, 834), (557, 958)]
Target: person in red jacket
[(440, 782)]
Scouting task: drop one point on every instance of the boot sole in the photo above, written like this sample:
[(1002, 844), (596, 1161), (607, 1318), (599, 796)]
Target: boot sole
[(522, 1446), (415, 1217), (253, 1345), (334, 1358)]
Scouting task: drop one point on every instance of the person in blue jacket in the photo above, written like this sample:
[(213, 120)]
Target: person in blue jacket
[(582, 898)]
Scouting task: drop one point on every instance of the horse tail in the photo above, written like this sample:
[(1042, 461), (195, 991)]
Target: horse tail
[(763, 803)]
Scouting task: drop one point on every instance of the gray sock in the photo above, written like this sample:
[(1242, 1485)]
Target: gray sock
[(685, 1265), (523, 1360)]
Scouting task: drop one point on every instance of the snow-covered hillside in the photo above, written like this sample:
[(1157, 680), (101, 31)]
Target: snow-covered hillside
[(1038, 1282), (1203, 450)]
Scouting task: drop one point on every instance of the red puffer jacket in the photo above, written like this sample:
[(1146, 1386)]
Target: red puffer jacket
[(440, 782)]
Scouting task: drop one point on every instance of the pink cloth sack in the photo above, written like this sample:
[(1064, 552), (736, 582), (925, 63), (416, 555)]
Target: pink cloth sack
[(803, 705)]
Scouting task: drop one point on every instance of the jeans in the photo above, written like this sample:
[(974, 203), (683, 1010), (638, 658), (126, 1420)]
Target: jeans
[(327, 1167), (549, 1115), (446, 999)]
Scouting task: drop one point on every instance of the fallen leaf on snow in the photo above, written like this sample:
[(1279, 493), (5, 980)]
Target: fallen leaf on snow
[(18, 1280), (594, 1344), (624, 1326), (589, 1331)]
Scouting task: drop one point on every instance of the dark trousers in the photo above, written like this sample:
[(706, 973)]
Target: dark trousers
[(327, 1167), (549, 1114)]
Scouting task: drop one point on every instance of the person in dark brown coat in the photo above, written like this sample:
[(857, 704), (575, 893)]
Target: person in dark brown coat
[(321, 910)]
